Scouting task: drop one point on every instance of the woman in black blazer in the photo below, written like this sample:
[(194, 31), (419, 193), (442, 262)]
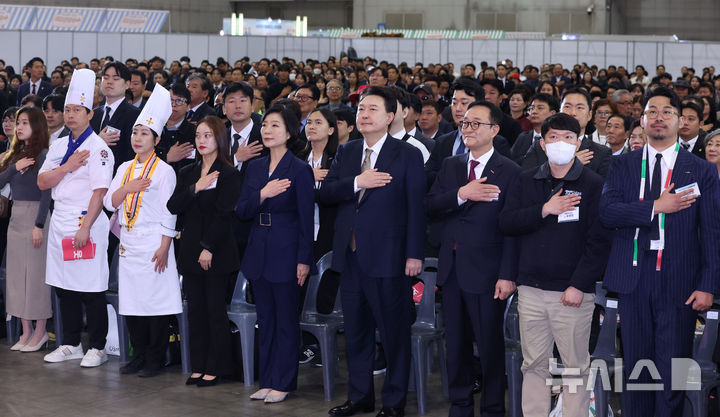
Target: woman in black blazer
[(204, 199), (277, 194)]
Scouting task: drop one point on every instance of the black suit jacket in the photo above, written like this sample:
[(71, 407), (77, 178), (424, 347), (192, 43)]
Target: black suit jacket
[(600, 163), (699, 148), (327, 212), (200, 113), (123, 118), (482, 253), (184, 134), (521, 146), (444, 147), (429, 143), (388, 222), (206, 218), (509, 129), (44, 90)]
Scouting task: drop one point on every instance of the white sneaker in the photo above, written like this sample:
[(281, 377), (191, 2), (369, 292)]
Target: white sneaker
[(65, 353), (93, 358)]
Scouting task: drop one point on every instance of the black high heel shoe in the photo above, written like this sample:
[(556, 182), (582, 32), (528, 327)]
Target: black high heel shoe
[(193, 381)]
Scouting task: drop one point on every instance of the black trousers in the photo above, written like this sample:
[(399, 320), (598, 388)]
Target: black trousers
[(149, 337), (209, 326), (71, 309)]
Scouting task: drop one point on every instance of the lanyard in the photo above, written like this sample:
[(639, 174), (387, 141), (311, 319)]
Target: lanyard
[(74, 144), (661, 219), (132, 201)]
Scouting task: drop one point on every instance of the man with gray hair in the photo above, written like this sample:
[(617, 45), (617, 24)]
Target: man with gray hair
[(334, 90), (623, 100)]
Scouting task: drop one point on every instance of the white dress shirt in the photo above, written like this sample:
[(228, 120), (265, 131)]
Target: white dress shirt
[(244, 137), (691, 142), (376, 148), (113, 107), (667, 160), (482, 161), (56, 135)]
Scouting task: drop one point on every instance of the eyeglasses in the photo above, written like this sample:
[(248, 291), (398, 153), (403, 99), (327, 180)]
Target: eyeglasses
[(531, 109), (178, 102), (303, 99), (666, 114), (464, 125), (603, 113), (334, 88)]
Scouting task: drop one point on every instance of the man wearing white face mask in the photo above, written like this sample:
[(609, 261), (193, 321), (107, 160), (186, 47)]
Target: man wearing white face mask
[(553, 210)]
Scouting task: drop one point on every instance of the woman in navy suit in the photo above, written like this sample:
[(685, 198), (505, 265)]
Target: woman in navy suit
[(278, 195)]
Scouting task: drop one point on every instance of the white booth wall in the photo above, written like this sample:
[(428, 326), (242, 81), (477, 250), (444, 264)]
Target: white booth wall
[(17, 47)]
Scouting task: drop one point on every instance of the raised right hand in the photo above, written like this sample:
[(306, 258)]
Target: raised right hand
[(205, 180), (24, 164), (585, 156), (674, 202), (137, 185), (274, 188), (110, 137), (249, 151), (560, 203), (179, 151), (373, 179), (478, 191), (77, 160)]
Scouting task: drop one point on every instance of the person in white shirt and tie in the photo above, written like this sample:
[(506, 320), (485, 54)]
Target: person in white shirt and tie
[(244, 135), (692, 137)]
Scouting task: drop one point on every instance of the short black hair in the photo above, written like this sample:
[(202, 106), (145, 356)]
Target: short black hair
[(381, 69), (180, 90), (581, 91), (33, 60), (32, 98), (471, 66), (120, 68), (402, 96), (57, 101), (383, 92), (95, 60), (560, 121), (494, 82), (241, 87), (292, 123), (140, 74), (415, 102), (694, 107), (626, 120), (433, 104), (496, 115), (469, 86), (313, 90), (346, 115), (664, 92), (548, 99), (62, 75)]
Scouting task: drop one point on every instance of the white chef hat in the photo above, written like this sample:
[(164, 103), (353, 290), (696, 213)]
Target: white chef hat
[(157, 110), (82, 88)]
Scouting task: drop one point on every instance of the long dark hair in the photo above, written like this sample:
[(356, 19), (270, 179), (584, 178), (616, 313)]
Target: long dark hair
[(38, 141), (221, 137), (332, 143)]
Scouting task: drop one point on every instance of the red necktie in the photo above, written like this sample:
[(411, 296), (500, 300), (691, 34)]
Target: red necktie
[(473, 165)]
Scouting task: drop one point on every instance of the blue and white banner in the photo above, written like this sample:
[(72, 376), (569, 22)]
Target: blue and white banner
[(68, 19), (143, 21), (81, 19), (15, 17)]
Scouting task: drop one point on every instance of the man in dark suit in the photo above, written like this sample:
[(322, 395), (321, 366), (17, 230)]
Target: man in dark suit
[(509, 127), (378, 186), (692, 137), (245, 141), (414, 109), (200, 89), (468, 194), (36, 84), (541, 107), (576, 103), (114, 121), (137, 88), (664, 259), (562, 82), (465, 91)]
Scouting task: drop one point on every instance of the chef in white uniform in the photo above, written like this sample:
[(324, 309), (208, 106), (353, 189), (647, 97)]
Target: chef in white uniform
[(148, 279), (79, 168)]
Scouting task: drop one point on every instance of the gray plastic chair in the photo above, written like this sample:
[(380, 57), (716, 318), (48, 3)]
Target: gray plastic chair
[(513, 356), (323, 326), (424, 333), (244, 316), (703, 352), (606, 348)]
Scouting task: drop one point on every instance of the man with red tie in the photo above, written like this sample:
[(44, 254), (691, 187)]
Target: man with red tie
[(474, 269)]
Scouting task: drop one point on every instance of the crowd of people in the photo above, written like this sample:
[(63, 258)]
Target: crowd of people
[(538, 182)]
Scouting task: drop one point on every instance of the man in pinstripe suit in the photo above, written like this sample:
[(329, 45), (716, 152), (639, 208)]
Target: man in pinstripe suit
[(664, 260)]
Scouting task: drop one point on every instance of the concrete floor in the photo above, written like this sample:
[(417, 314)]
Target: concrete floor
[(31, 387)]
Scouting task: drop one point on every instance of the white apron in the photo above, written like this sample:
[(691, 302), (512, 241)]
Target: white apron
[(84, 275), (144, 292)]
